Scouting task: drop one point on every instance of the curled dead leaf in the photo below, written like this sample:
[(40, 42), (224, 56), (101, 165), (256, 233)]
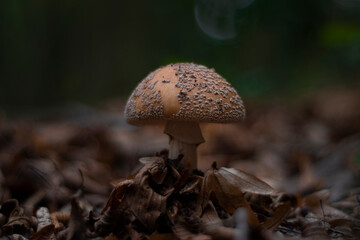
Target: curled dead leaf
[(145, 204), (17, 222), (118, 194), (277, 217), (45, 233), (225, 187), (59, 219), (115, 214)]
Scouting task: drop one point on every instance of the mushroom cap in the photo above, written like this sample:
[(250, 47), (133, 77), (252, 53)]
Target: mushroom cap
[(184, 92)]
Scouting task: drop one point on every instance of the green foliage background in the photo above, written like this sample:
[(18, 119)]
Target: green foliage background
[(58, 51)]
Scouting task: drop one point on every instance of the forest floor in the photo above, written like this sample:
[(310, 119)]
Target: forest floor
[(289, 171)]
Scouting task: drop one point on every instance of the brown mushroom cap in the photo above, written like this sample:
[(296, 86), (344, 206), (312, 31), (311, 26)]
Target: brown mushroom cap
[(184, 92)]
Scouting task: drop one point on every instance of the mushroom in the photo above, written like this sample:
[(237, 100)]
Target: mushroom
[(182, 95)]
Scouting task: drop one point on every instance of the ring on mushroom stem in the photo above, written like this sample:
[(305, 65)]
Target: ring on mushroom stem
[(183, 95)]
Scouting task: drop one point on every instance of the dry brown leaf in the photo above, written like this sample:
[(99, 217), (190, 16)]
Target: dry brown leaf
[(158, 173), (213, 226), (146, 204), (343, 228), (115, 214), (59, 219), (246, 182), (314, 229), (163, 176), (349, 205), (18, 222), (340, 222), (150, 160), (328, 212), (220, 233), (226, 189), (162, 236), (118, 194), (262, 205), (183, 233), (77, 227), (191, 185), (210, 217), (137, 197), (45, 233), (111, 237), (16, 237), (277, 217), (315, 199)]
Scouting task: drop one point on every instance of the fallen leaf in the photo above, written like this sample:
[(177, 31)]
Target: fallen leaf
[(245, 181), (45, 233), (59, 219), (118, 194), (314, 229), (18, 222), (145, 204), (225, 188), (277, 217)]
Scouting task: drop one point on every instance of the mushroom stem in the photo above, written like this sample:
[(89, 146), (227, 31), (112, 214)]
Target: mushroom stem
[(184, 139), (187, 150)]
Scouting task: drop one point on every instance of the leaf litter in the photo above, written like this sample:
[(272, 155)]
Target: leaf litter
[(288, 172)]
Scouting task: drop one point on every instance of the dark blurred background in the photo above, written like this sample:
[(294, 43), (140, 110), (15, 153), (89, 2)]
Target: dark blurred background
[(54, 52)]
